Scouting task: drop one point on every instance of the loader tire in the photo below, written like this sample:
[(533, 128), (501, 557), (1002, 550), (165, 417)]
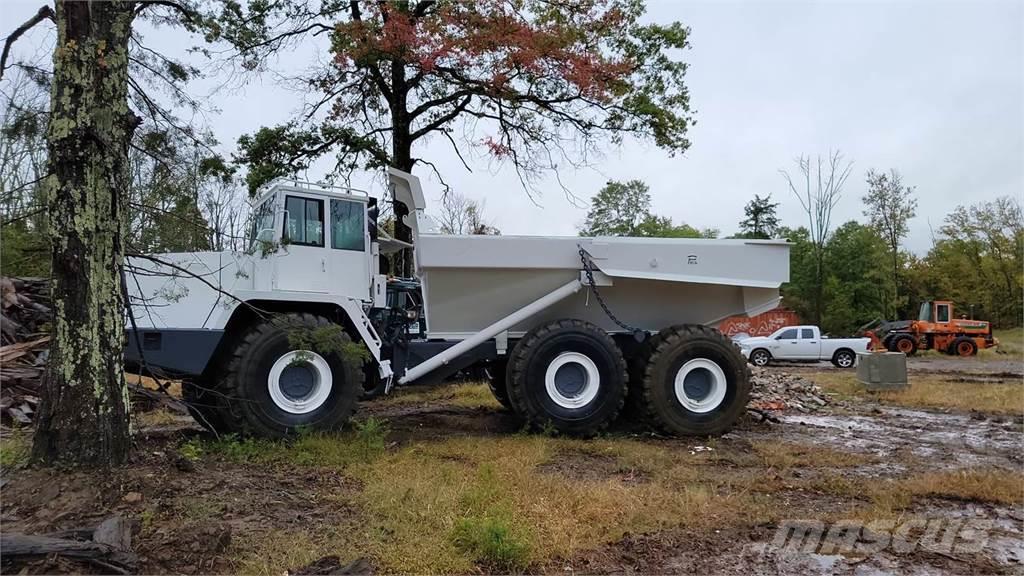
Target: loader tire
[(963, 347), (568, 375), (276, 389), (201, 399), (696, 381), (904, 343)]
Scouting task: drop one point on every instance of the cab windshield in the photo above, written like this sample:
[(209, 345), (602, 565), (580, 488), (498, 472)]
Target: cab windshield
[(262, 225)]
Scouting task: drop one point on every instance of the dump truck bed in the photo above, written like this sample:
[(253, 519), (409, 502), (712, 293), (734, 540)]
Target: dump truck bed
[(655, 282)]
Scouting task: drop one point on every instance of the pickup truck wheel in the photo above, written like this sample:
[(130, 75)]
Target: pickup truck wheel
[(569, 375), (200, 398), (696, 382), (277, 388), (760, 357), (905, 344), (844, 359)]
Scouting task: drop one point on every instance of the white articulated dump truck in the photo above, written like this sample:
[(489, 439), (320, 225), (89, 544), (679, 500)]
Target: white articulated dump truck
[(567, 328)]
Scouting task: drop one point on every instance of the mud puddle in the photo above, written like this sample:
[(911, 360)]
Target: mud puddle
[(944, 440)]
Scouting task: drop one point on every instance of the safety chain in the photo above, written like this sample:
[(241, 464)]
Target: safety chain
[(588, 268)]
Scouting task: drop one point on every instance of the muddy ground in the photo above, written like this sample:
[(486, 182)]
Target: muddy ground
[(223, 505)]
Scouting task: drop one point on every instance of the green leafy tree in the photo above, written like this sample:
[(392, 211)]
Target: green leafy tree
[(619, 209), (890, 205), (761, 221), (535, 84), (856, 286), (800, 292), (978, 260), (624, 209)]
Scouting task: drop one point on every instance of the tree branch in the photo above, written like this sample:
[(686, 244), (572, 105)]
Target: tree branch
[(44, 13), (184, 11)]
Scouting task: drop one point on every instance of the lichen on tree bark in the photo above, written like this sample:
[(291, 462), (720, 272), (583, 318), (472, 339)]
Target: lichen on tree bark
[(84, 416)]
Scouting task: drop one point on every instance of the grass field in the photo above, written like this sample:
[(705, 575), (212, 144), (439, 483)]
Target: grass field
[(935, 391)]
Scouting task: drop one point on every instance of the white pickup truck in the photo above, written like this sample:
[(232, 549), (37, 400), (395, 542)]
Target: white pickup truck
[(802, 344)]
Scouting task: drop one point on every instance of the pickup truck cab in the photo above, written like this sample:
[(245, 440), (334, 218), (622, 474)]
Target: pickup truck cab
[(802, 344)]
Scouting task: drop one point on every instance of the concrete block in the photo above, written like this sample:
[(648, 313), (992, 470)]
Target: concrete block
[(882, 370)]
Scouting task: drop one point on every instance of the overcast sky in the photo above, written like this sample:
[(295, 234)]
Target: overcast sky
[(935, 90)]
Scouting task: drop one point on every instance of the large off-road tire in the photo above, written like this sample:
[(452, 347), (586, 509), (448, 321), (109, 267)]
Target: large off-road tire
[(904, 343), (202, 400), (760, 357), (844, 358), (696, 381), (373, 385), (497, 381), (963, 347), (275, 389), (568, 375)]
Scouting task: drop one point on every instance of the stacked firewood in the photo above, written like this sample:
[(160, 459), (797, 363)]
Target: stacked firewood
[(24, 345)]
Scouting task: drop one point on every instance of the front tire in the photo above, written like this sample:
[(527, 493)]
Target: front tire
[(904, 343), (276, 388), (569, 375), (696, 382), (760, 357)]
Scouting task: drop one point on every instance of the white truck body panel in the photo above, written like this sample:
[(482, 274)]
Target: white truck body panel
[(468, 282), (802, 343)]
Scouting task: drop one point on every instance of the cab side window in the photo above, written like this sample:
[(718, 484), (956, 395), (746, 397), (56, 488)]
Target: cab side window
[(348, 225), (305, 223), (807, 334), (787, 335), (942, 313)]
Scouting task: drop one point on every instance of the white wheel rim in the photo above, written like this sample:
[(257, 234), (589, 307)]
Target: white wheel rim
[(845, 361), (760, 358), (283, 394), (706, 382), (572, 380)]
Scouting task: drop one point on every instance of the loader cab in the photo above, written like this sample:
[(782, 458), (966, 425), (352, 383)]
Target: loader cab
[(939, 311), (308, 238)]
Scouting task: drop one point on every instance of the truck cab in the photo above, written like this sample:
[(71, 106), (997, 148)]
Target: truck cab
[(796, 343), (315, 240)]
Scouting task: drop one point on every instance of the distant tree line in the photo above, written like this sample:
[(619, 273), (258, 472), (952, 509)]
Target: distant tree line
[(842, 277)]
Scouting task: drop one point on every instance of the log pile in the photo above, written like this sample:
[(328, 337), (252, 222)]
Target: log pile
[(24, 345)]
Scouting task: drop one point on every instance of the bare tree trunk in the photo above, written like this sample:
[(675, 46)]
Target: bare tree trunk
[(84, 416), (401, 158)]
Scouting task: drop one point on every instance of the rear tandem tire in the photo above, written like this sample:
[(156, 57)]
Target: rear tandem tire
[(696, 382), (274, 389), (569, 375)]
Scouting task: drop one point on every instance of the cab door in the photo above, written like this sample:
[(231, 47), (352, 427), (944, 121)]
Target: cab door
[(302, 258), (348, 262), (785, 344), (808, 345)]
